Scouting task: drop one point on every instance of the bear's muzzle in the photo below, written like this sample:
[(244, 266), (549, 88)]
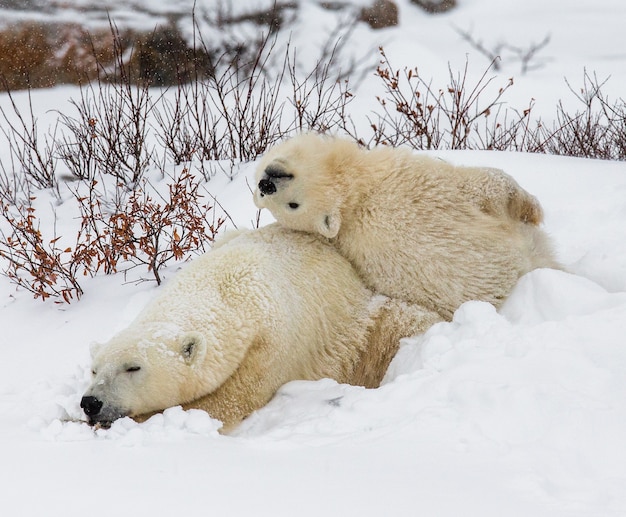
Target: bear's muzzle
[(90, 405), (273, 174), (98, 414), (267, 187)]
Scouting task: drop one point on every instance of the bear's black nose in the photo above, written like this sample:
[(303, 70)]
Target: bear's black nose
[(266, 187), (91, 405)]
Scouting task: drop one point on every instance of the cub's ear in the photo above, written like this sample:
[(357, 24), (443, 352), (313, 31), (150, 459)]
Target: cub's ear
[(193, 347), (94, 349), (329, 224)]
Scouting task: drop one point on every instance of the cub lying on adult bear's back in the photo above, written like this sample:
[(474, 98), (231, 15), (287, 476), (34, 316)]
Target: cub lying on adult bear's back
[(415, 228), (260, 309)]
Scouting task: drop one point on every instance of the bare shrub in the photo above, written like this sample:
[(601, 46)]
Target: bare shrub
[(231, 111), (527, 56), (145, 229), (142, 230), (169, 229), (125, 224), (14, 188), (506, 129), (416, 114), (465, 116), (249, 105), (184, 130), (273, 17), (616, 115), (233, 114), (34, 262), (32, 154), (109, 135), (319, 102), (236, 112), (596, 131), (320, 97)]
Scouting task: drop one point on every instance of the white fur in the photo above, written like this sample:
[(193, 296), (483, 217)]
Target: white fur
[(415, 228), (260, 309)]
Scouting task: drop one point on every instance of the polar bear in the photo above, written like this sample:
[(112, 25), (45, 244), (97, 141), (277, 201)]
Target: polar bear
[(262, 308), (415, 228)]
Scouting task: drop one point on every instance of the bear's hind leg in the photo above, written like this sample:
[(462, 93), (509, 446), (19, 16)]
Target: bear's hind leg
[(498, 194)]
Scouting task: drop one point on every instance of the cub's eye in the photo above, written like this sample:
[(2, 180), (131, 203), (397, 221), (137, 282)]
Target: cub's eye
[(131, 369), (293, 205), (93, 372)]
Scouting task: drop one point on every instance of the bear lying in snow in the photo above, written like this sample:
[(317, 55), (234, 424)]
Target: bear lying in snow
[(260, 309), (416, 228)]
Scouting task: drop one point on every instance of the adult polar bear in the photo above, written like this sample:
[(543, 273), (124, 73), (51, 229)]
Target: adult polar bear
[(260, 309), (415, 228)]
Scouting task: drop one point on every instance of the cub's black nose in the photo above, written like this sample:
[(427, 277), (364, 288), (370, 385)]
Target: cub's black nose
[(266, 187), (91, 405)]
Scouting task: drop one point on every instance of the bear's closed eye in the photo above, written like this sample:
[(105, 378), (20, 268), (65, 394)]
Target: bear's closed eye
[(276, 172)]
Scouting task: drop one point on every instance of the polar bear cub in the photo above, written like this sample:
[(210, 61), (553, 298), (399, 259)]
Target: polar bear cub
[(260, 309), (416, 228)]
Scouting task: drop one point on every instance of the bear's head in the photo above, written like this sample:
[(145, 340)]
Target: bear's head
[(299, 180), (144, 369)]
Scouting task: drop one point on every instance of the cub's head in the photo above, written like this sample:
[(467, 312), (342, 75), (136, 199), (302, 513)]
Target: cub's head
[(143, 369), (298, 181)]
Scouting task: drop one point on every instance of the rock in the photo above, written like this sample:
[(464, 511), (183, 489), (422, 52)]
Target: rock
[(384, 13), (435, 6)]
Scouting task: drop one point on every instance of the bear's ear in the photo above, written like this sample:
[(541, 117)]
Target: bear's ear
[(94, 348), (193, 347), (329, 224)]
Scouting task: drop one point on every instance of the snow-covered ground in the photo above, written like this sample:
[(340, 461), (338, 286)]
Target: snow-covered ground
[(520, 412)]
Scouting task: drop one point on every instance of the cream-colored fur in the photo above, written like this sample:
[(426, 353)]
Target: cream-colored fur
[(261, 309), (416, 228)]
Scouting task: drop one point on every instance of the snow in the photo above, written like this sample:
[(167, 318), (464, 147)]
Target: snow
[(516, 412)]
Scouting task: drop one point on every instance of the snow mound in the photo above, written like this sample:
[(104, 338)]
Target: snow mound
[(544, 378), (173, 425)]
